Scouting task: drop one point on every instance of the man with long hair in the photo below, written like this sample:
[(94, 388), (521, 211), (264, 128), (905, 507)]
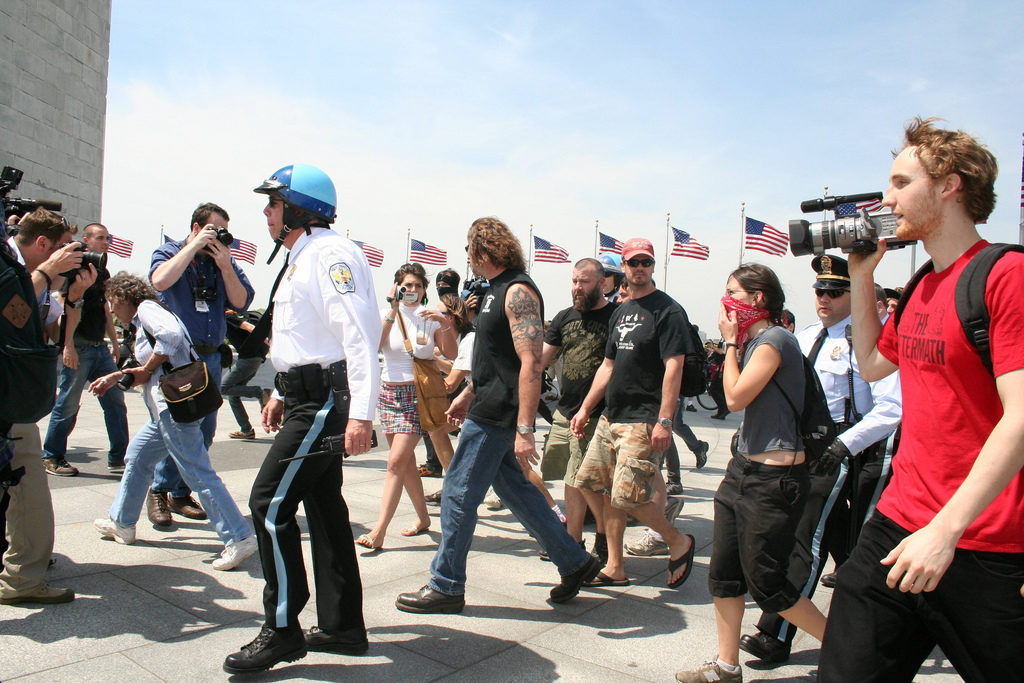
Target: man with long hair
[(497, 446)]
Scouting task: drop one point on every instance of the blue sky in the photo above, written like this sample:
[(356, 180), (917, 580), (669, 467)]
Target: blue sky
[(429, 115)]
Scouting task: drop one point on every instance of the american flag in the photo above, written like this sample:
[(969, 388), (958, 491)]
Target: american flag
[(763, 237), (851, 208), (687, 246), (374, 256), (608, 244), (121, 246), (421, 252), (546, 252), (244, 251)]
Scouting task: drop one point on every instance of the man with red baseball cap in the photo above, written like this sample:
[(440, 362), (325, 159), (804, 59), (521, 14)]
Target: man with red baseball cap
[(639, 381)]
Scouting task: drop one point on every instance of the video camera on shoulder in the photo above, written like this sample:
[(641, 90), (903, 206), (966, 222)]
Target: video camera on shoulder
[(858, 232), (10, 178)]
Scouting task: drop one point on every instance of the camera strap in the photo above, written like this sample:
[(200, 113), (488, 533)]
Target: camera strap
[(261, 330), (405, 334)]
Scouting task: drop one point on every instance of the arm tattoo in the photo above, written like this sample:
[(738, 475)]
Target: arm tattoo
[(527, 326)]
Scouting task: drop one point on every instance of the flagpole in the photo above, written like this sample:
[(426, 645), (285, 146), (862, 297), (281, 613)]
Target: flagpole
[(529, 263), (1020, 234), (161, 235), (743, 228), (408, 244), (668, 231), (597, 239)]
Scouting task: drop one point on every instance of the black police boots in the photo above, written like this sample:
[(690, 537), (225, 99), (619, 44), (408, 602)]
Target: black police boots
[(270, 647)]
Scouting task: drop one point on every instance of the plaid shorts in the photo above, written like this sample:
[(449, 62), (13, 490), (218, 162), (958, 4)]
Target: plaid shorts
[(396, 410), (621, 463)]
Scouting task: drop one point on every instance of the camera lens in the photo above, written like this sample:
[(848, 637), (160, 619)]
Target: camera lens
[(224, 237)]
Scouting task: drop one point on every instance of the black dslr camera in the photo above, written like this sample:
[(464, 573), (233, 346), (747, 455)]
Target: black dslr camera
[(96, 258), (224, 237), (857, 232)]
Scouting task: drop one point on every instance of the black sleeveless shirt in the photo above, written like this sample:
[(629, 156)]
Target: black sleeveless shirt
[(495, 363)]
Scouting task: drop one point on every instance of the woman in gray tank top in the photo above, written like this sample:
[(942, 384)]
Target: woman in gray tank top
[(762, 495)]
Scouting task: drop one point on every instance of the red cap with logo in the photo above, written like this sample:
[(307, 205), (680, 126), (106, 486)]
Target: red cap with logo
[(637, 246)]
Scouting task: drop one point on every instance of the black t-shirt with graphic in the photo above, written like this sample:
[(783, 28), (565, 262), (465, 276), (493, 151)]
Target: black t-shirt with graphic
[(582, 338), (644, 332)]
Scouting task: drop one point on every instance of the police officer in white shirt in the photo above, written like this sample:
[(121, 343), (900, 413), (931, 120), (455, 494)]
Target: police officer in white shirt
[(842, 486), (324, 347)]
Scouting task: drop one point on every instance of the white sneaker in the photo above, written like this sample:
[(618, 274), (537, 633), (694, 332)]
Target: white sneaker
[(647, 545), (234, 554), (108, 528), (492, 502)]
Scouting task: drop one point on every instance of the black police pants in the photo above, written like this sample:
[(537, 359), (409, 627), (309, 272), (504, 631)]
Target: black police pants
[(316, 482), (877, 633)]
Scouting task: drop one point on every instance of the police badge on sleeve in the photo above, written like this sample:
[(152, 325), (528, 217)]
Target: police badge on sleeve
[(341, 276)]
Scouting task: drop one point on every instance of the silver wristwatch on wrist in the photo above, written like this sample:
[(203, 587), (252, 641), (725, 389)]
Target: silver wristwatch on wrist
[(665, 422), (525, 429)]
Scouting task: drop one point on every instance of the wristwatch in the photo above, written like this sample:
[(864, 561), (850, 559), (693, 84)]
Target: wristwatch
[(73, 304), (665, 422), (525, 429)]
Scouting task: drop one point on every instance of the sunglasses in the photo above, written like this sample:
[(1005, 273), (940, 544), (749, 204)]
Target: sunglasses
[(830, 293), (637, 262)]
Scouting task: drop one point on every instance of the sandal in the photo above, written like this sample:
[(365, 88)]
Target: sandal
[(603, 579), (367, 542), (415, 530), (687, 559)]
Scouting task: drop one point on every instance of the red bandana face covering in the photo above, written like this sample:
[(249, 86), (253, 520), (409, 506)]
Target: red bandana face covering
[(746, 315)]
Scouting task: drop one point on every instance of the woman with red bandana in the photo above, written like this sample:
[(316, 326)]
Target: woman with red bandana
[(762, 495)]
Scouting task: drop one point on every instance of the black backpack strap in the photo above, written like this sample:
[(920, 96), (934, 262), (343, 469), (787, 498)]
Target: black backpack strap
[(908, 290), (970, 298)]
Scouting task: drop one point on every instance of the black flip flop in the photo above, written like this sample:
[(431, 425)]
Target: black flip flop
[(686, 559), (603, 579)]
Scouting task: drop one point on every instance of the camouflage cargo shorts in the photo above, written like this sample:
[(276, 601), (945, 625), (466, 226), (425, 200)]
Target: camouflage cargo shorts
[(621, 463)]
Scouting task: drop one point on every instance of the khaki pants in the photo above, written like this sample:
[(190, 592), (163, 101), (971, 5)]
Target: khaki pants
[(29, 517)]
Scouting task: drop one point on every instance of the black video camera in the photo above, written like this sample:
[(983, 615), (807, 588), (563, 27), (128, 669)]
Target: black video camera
[(96, 258), (204, 293), (853, 230), (10, 178), (477, 287)]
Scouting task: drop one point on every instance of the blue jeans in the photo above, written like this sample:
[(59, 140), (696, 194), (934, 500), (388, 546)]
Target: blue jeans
[(184, 444), (485, 457), (234, 385), (168, 478), (93, 362)]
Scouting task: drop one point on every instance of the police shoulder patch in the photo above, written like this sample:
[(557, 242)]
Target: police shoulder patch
[(341, 276)]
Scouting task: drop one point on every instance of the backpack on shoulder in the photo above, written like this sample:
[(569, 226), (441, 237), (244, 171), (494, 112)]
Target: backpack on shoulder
[(28, 365), (695, 365), (969, 297), (814, 423)]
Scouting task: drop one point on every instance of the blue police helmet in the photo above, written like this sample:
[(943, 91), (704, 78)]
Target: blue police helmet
[(303, 187), (612, 263)]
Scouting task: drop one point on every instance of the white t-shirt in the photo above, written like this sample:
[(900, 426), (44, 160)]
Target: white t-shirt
[(464, 361), (397, 363)]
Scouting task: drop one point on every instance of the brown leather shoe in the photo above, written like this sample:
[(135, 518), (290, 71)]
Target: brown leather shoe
[(186, 507), (156, 509)]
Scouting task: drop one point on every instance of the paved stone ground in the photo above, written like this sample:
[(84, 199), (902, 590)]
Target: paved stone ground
[(156, 611)]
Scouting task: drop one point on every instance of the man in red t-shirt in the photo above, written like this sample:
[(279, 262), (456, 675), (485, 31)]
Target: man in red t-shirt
[(942, 560)]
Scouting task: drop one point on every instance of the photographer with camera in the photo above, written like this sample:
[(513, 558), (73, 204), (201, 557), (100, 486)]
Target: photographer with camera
[(941, 561), (30, 527), (86, 357), (198, 280)]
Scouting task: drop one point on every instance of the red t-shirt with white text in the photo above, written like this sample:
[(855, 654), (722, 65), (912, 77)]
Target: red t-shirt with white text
[(950, 403)]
